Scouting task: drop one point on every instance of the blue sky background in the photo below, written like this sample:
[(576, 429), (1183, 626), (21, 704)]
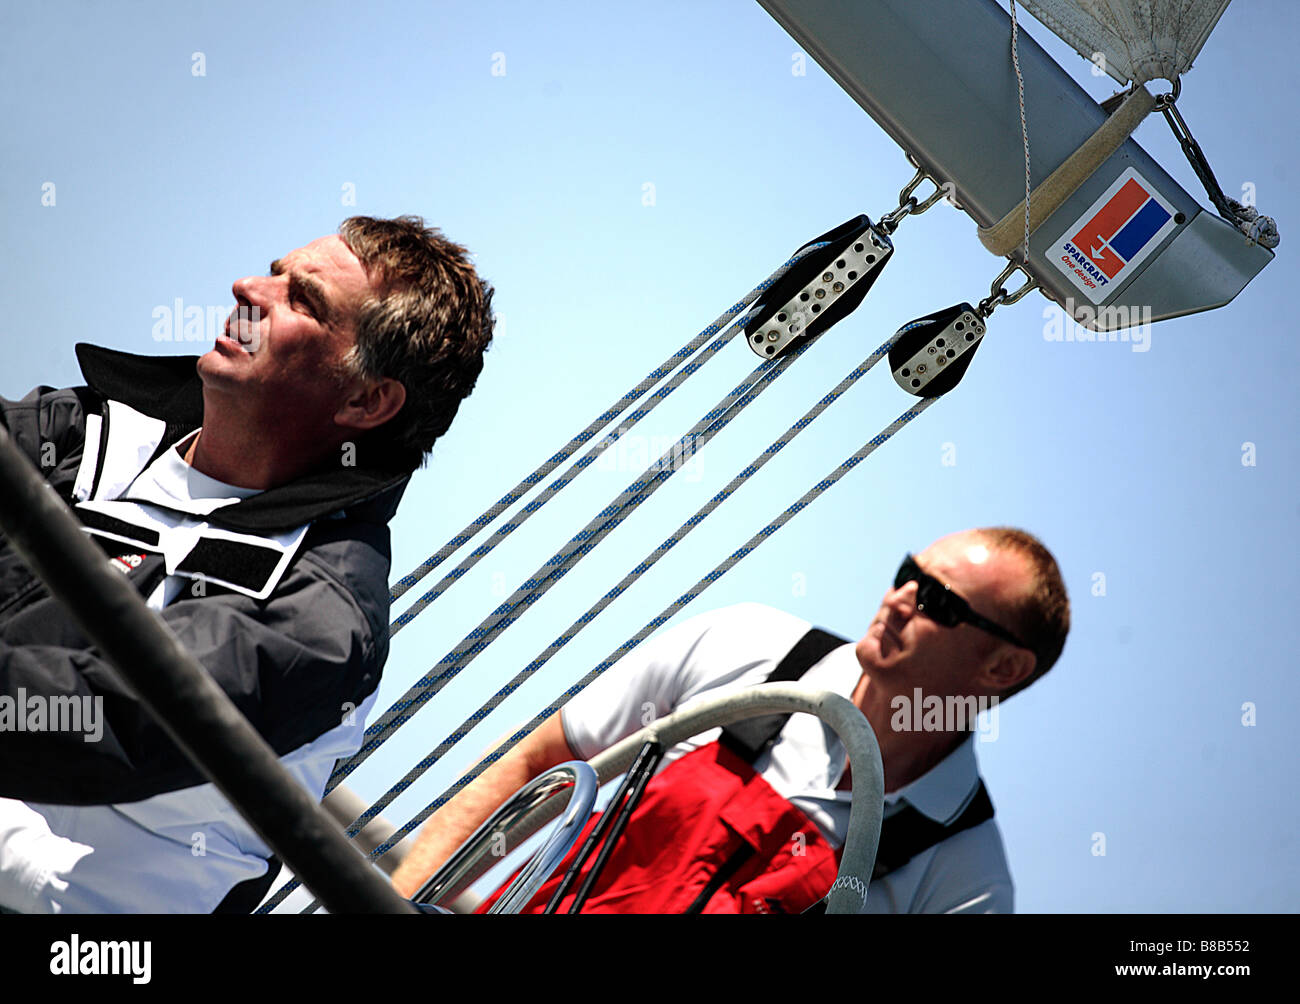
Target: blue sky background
[(171, 185)]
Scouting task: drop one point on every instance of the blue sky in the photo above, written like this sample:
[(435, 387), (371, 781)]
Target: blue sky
[(171, 185)]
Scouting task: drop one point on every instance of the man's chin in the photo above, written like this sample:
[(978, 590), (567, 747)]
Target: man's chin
[(868, 650), (877, 647), (216, 368)]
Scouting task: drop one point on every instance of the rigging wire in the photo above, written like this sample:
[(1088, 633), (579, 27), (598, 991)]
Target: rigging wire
[(617, 408), (1024, 128), (563, 560), (627, 581), (580, 545), (717, 572), (651, 626), (559, 483)]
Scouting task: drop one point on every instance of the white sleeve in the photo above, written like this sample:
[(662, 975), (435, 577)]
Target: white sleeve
[(662, 673)]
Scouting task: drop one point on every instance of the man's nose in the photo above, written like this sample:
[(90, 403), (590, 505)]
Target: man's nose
[(252, 290), (903, 599)]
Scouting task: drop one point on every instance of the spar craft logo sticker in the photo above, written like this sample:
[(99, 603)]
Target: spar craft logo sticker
[(1106, 244)]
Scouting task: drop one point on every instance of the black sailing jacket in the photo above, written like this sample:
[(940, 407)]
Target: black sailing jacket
[(293, 662)]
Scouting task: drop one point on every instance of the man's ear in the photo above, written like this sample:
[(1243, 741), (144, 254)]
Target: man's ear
[(1007, 667), (371, 405)]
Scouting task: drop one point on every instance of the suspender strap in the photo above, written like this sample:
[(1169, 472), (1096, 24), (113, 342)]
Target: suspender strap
[(907, 832), (753, 737), (729, 868), (903, 835)]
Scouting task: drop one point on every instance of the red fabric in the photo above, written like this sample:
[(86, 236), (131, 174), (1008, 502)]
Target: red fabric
[(696, 814)]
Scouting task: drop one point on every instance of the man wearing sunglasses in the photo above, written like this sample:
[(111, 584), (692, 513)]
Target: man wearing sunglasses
[(740, 820)]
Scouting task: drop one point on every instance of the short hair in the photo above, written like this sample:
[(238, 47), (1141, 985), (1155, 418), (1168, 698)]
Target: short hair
[(427, 325), (1042, 613)]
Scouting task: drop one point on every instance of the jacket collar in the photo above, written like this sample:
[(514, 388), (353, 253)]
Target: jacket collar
[(169, 388)]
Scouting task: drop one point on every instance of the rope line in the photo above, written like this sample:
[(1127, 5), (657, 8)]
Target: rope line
[(617, 408), (428, 687), (563, 561), (556, 486), (650, 627), (1024, 128), (609, 597), (671, 610)]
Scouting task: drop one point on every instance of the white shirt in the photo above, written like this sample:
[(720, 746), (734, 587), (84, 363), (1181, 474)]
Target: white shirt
[(181, 851), (739, 646), (171, 482)]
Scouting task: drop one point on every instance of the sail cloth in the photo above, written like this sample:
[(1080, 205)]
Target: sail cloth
[(1141, 40)]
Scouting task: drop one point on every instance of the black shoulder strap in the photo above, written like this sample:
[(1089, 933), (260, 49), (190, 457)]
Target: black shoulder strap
[(907, 832), (751, 738), (903, 835)]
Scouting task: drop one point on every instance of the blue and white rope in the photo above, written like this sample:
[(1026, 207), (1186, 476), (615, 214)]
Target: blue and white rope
[(563, 560), (668, 612), (622, 404), (595, 610), (551, 490), (653, 625), (428, 686)]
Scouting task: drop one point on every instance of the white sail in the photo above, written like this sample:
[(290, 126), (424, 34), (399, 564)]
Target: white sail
[(1141, 40)]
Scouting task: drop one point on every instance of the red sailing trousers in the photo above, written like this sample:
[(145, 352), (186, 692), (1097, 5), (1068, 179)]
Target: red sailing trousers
[(706, 812)]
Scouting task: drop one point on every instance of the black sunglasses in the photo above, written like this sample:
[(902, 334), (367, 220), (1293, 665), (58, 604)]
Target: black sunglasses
[(938, 602)]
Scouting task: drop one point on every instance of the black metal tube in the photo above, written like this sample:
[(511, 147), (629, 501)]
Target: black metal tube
[(193, 710), (647, 760), (598, 832)]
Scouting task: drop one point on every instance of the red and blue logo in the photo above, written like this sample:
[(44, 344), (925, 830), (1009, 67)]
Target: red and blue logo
[(1121, 228)]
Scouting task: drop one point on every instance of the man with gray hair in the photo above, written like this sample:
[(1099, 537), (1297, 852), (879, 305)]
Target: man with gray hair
[(246, 494)]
